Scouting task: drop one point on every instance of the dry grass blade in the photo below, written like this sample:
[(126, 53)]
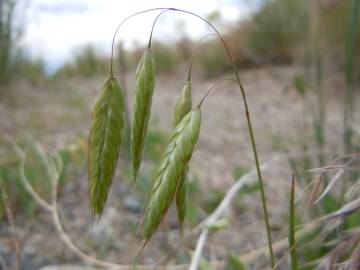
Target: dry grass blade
[(144, 89), (182, 107), (314, 192), (343, 253), (327, 168), (352, 191), (10, 216), (346, 210), (330, 185), (172, 166), (292, 241), (104, 142), (23, 178)]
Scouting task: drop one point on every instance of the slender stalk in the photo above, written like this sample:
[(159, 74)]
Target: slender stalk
[(292, 241), (10, 216), (153, 26), (197, 46), (213, 88), (117, 30), (198, 250), (247, 113)]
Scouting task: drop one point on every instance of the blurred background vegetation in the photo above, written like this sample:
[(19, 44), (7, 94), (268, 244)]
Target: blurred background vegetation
[(269, 36)]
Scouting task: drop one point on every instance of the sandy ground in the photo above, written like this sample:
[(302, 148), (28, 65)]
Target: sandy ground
[(57, 114)]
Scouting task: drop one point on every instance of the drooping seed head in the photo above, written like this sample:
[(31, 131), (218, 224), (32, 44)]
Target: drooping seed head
[(104, 142), (173, 164), (181, 194), (144, 89), (183, 104), (182, 107)]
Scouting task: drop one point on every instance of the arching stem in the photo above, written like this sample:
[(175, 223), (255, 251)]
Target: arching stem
[(247, 114), (216, 84), (197, 46), (153, 26), (117, 30)]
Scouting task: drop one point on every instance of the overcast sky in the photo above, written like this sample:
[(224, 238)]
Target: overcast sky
[(56, 29)]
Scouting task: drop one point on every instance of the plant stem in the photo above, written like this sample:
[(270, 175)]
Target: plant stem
[(153, 26), (117, 30), (197, 46), (247, 114), (292, 241), (213, 88), (10, 217)]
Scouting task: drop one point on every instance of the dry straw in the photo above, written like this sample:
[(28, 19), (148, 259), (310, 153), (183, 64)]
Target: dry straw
[(170, 171), (292, 216), (144, 89), (104, 142)]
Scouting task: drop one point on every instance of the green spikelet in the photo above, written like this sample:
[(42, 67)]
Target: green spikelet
[(144, 89), (183, 104), (181, 193), (104, 142), (173, 164), (182, 107)]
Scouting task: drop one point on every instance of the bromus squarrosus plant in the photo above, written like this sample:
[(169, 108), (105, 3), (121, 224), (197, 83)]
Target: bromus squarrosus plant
[(329, 238), (105, 138)]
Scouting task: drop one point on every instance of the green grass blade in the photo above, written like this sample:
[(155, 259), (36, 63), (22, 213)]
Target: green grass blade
[(233, 262)]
